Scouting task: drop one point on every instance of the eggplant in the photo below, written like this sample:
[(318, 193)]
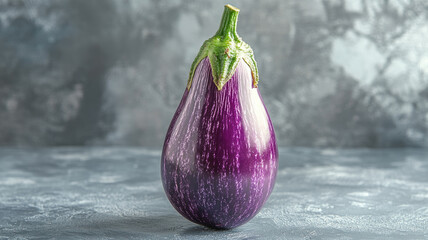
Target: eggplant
[(220, 157)]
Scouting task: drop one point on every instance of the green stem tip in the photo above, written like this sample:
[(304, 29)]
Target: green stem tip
[(229, 21), (224, 50)]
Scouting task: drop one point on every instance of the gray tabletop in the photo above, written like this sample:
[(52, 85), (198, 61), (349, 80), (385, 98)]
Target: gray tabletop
[(116, 193)]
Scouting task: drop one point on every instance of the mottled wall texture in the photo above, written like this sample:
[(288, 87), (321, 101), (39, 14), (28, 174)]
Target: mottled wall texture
[(348, 73)]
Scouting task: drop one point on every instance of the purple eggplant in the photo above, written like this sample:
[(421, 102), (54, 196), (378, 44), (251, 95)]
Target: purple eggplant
[(219, 159)]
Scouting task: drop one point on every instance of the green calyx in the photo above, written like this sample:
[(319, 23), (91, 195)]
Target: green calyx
[(224, 50)]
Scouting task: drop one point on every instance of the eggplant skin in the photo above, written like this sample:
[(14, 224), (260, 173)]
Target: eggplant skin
[(220, 156)]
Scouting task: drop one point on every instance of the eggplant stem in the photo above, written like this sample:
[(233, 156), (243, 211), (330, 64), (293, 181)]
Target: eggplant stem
[(229, 22), (225, 50)]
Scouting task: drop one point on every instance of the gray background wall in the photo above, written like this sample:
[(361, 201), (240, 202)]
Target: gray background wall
[(333, 73)]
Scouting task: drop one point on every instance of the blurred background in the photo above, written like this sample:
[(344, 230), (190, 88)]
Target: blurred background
[(348, 73)]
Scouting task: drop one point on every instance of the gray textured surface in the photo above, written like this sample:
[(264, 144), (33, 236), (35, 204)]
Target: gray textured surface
[(116, 193), (335, 73)]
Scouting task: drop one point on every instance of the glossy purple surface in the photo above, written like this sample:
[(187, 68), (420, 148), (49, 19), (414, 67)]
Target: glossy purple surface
[(219, 159)]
